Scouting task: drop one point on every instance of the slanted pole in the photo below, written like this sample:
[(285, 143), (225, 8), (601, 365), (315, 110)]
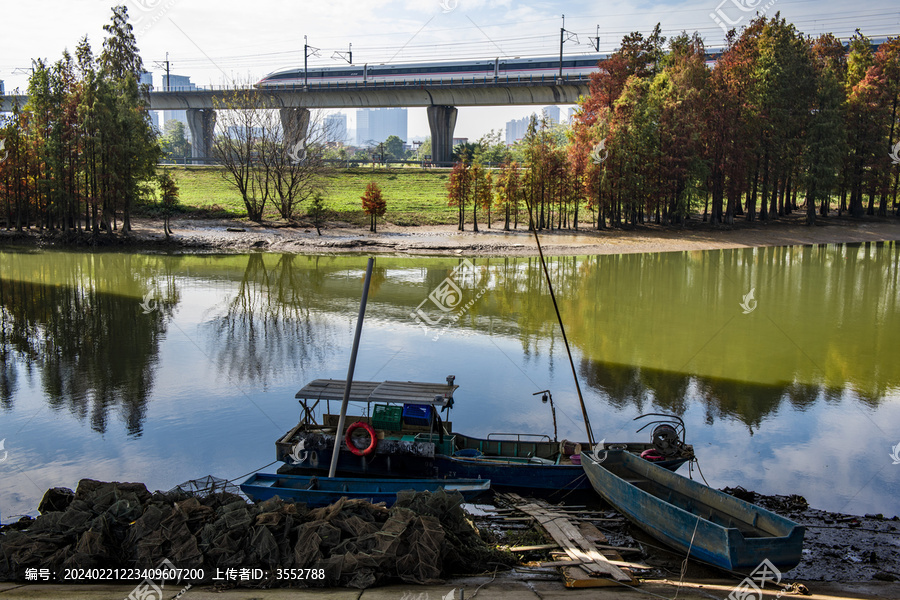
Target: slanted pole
[(587, 421), (339, 432)]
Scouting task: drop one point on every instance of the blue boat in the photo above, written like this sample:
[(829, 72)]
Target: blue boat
[(426, 447), (321, 491), (693, 518)]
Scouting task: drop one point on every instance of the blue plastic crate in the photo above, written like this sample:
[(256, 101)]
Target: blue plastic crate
[(417, 414)]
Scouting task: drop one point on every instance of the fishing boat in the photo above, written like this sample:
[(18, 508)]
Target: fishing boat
[(414, 441), (693, 518), (321, 491)]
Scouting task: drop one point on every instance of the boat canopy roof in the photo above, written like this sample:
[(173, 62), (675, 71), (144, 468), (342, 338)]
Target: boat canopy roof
[(389, 392)]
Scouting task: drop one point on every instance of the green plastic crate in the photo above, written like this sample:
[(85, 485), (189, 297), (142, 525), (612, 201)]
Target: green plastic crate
[(387, 417), (448, 447)]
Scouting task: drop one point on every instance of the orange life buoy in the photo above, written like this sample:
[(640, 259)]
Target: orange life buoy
[(372, 437)]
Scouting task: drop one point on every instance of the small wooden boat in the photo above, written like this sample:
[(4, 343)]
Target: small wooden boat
[(322, 491), (714, 527)]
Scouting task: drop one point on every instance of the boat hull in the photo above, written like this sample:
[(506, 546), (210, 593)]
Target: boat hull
[(530, 467), (712, 526), (318, 491)]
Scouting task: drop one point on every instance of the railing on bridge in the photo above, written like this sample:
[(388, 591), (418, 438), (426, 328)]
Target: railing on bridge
[(515, 80)]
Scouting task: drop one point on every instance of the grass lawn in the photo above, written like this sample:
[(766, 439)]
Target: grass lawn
[(414, 196)]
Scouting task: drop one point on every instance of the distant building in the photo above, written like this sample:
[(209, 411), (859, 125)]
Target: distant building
[(177, 83), (458, 141), (516, 129), (552, 113), (336, 129), (146, 79), (375, 125), (570, 117)]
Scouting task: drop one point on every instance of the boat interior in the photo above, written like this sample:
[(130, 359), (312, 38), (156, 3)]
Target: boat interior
[(747, 522)]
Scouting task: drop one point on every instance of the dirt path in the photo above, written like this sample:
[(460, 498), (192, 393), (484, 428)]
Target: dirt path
[(217, 235)]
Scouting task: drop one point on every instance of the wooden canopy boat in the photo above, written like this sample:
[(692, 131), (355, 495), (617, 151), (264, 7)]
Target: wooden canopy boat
[(430, 448), (712, 526), (321, 491)]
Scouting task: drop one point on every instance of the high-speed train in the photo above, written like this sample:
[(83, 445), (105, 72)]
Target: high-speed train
[(497, 68), (491, 69)]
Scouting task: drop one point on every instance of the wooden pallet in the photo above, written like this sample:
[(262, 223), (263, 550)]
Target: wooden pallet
[(589, 566)]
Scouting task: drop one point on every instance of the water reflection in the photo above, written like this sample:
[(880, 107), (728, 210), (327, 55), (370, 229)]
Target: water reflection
[(200, 355), (94, 349), (270, 321)]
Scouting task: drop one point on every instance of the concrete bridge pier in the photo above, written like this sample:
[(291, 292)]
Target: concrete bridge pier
[(202, 123), (442, 121), (294, 124)]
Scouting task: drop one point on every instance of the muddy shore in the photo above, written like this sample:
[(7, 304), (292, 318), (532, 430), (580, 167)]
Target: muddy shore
[(224, 235)]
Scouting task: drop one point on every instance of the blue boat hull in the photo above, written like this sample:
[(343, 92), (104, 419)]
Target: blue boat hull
[(318, 491), (714, 527)]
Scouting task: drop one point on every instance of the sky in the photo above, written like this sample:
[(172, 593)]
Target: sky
[(226, 42)]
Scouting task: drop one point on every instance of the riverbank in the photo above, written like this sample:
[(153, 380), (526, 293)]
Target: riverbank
[(844, 555), (499, 588), (230, 235)]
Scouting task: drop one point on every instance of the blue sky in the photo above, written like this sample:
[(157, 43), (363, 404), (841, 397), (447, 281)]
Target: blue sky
[(223, 42)]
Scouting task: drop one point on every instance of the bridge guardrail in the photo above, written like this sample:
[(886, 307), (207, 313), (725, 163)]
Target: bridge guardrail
[(516, 80)]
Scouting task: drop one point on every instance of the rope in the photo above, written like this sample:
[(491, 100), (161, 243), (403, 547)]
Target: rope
[(484, 584), (685, 562), (695, 460), (251, 472)]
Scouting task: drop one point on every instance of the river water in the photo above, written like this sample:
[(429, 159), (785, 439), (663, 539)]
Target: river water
[(783, 362)]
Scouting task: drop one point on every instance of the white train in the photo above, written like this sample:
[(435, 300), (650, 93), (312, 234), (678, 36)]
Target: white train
[(496, 69)]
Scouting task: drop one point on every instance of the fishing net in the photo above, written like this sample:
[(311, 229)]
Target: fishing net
[(423, 538)]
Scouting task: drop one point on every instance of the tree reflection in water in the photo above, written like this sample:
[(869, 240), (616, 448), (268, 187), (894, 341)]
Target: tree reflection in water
[(86, 328), (269, 322)]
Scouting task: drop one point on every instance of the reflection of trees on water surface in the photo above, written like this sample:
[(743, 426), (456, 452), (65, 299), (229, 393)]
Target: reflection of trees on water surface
[(269, 323), (657, 329), (84, 329)]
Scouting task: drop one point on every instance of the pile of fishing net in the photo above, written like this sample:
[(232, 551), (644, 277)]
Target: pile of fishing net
[(422, 539)]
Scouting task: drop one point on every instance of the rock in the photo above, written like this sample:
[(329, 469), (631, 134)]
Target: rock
[(259, 244), (55, 500), (235, 229)]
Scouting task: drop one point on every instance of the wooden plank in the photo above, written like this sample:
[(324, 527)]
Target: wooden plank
[(575, 563), (574, 577), (533, 548), (586, 549), (574, 543)]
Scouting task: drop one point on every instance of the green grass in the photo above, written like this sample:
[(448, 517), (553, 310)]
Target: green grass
[(414, 196)]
